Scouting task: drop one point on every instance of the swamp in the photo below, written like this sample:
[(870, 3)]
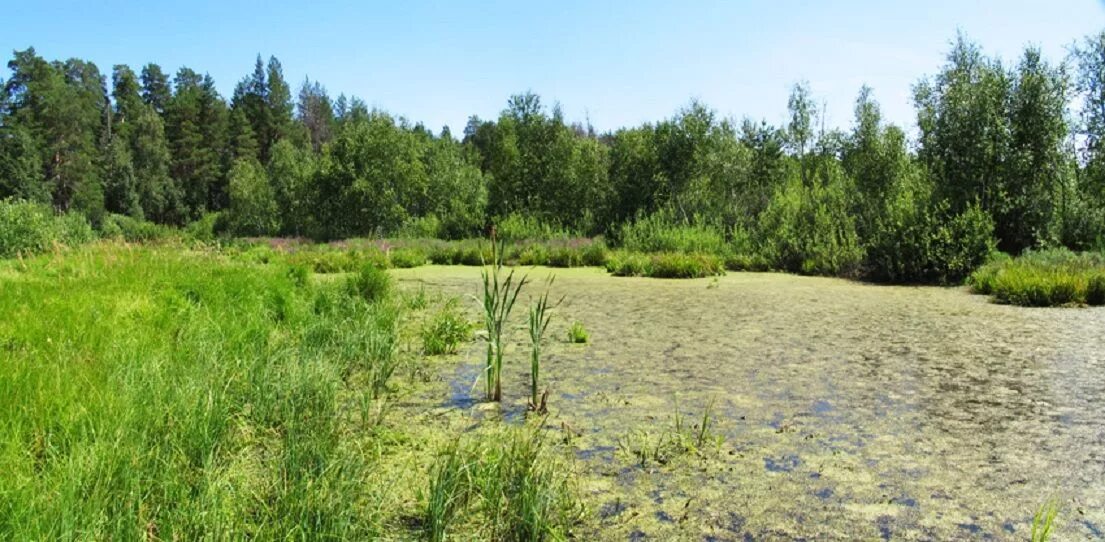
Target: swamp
[(836, 408)]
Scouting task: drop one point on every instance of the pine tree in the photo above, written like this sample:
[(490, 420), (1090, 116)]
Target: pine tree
[(155, 88)]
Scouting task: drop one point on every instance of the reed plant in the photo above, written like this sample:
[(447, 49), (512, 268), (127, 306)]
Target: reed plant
[(500, 292), (540, 314)]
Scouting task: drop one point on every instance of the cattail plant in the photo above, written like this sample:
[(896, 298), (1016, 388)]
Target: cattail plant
[(540, 313), (499, 294)]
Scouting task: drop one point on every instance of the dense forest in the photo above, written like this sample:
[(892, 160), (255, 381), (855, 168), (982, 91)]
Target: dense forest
[(1007, 155)]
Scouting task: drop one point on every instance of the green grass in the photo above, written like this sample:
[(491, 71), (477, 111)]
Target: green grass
[(1047, 278), (577, 334), (1043, 521), (158, 393), (371, 283), (505, 483), (446, 330)]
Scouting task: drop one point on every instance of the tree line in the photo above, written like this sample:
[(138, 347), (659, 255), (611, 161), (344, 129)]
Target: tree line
[(1010, 154)]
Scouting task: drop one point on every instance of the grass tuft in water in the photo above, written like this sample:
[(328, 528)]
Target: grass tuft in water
[(1044, 520), (505, 483), (682, 438), (446, 330), (577, 334)]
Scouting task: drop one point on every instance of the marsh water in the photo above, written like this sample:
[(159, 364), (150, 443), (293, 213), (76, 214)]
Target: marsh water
[(848, 410)]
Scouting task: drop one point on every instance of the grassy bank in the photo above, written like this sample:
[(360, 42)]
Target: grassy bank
[(1045, 278), (155, 393)]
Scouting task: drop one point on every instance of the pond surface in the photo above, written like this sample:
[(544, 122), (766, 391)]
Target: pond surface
[(848, 410)]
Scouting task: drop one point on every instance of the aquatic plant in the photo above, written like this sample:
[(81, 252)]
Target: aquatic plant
[(539, 318), (446, 330), (681, 438), (1043, 521), (577, 334), (500, 291)]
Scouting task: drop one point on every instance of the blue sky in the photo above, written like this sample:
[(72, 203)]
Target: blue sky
[(615, 62)]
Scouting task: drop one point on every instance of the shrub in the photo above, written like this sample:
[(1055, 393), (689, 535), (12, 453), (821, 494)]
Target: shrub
[(203, 229), (1095, 289), (29, 228), (423, 227), (664, 265), (685, 266), (403, 258), (533, 254), (133, 230), (518, 227), (661, 232), (628, 264), (807, 227), (371, 283), (446, 330), (1043, 278), (594, 253), (253, 208), (916, 240)]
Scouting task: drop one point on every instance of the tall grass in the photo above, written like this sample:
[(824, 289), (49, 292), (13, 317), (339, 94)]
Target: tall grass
[(500, 291), (506, 483), (664, 265), (445, 330), (1044, 278), (157, 394)]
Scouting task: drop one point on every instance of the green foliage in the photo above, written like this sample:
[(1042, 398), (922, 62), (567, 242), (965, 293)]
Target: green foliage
[(994, 141), (682, 438), (371, 283), (203, 229), (1043, 521), (807, 227), (253, 209), (133, 230), (29, 228), (519, 227), (445, 330), (407, 257), (661, 232), (914, 240)]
